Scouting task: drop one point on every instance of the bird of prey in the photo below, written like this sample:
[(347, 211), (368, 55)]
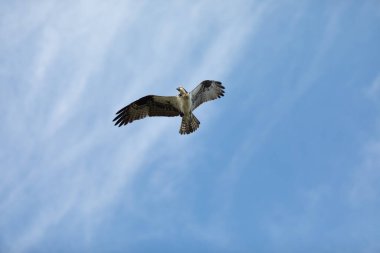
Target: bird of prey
[(181, 105)]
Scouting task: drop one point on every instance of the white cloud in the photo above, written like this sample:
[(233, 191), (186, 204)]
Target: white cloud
[(49, 49), (77, 165)]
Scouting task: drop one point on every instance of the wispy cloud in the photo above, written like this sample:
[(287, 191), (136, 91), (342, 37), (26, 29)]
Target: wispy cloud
[(73, 163), (297, 84), (374, 89), (353, 192), (365, 187), (67, 174)]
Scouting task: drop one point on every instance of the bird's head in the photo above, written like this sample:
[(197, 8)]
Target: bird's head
[(182, 90)]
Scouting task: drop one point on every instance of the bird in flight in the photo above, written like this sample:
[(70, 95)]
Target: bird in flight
[(181, 105)]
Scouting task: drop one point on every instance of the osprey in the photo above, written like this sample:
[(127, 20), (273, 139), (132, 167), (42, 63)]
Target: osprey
[(181, 105)]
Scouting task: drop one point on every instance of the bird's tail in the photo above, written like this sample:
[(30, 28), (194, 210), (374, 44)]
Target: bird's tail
[(189, 124)]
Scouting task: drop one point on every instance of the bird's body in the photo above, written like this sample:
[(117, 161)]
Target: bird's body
[(184, 102), (181, 105)]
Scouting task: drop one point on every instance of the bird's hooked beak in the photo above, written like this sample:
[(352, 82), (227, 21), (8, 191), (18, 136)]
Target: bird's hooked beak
[(181, 90)]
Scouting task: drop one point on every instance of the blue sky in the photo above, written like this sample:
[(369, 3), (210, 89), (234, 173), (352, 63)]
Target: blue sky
[(287, 161)]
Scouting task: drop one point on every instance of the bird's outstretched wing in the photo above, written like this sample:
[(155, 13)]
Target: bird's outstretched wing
[(150, 105), (206, 91)]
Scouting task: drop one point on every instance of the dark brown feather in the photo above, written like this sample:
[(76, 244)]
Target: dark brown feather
[(146, 106)]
